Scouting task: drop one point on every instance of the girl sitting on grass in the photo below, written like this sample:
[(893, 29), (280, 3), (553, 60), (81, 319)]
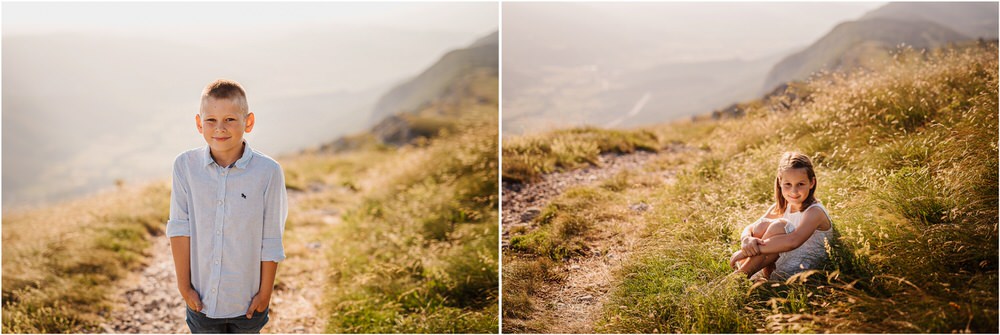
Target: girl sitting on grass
[(791, 236)]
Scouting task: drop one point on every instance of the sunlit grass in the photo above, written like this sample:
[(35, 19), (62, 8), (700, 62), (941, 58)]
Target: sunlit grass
[(907, 164), (566, 222), (60, 262), (408, 235), (568, 227), (906, 159), (417, 253), (527, 158)]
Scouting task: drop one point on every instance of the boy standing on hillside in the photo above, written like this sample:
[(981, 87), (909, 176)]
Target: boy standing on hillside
[(227, 214)]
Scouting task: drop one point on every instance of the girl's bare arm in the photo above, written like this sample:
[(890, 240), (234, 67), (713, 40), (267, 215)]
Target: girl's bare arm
[(811, 220)]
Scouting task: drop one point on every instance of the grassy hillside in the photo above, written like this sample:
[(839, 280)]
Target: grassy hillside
[(60, 262), (409, 233), (416, 251), (907, 165), (858, 44), (527, 158)]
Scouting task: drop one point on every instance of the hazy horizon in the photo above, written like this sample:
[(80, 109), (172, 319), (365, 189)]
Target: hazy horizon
[(224, 24), (311, 70), (609, 64)]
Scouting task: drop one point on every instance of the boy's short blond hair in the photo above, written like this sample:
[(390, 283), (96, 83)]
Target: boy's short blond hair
[(226, 89)]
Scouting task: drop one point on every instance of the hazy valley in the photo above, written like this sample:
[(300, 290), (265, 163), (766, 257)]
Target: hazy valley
[(657, 66), (84, 110)]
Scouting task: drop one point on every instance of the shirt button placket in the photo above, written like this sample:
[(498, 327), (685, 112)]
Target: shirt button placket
[(219, 222)]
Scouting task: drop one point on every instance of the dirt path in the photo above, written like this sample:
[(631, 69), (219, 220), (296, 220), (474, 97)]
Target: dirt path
[(149, 298), (573, 305), (147, 301), (522, 202)]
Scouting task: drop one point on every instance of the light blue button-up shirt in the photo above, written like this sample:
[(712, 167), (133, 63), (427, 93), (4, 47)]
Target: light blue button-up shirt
[(235, 216)]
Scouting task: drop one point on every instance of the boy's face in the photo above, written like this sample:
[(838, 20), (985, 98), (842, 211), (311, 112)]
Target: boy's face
[(222, 123)]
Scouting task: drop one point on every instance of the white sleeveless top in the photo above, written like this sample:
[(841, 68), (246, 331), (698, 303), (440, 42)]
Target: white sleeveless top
[(811, 254)]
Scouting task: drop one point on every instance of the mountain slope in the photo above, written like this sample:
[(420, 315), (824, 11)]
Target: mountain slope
[(856, 44), (869, 39), (462, 87), (417, 252), (973, 19), (436, 80)]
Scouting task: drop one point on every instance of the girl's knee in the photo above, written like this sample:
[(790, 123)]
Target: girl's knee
[(760, 228), (774, 229)]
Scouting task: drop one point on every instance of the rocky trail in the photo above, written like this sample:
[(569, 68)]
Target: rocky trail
[(523, 202), (573, 304), (147, 301)]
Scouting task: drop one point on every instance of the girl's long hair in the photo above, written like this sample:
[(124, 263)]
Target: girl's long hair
[(793, 160)]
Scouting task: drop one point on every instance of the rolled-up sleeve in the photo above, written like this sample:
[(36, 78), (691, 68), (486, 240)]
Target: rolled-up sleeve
[(275, 213), (179, 223)]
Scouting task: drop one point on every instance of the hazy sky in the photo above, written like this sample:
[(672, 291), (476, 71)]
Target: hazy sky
[(673, 31), (355, 39), (153, 16), (162, 17)]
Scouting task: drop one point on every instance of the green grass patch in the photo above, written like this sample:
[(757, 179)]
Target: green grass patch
[(566, 223), (418, 252)]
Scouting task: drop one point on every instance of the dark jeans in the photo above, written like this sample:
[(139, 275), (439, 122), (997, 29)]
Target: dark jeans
[(201, 324)]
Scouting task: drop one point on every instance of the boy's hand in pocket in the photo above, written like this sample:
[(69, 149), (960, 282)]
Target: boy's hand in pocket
[(258, 304), (192, 299)]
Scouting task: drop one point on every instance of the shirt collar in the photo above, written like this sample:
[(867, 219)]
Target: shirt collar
[(240, 163)]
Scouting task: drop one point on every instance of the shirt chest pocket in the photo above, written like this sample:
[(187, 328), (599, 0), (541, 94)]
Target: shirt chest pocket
[(246, 206)]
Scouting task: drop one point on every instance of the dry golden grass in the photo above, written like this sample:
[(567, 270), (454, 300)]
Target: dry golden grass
[(61, 261), (417, 251), (907, 165)]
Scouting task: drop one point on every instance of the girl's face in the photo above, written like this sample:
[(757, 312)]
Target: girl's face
[(795, 186)]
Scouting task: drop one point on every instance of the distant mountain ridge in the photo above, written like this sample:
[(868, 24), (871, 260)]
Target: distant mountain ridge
[(853, 44), (435, 81), (972, 19), (462, 85)]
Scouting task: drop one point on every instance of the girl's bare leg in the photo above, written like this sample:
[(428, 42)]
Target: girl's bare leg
[(766, 261), (757, 231)]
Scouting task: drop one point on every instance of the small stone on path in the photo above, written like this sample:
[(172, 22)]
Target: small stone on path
[(639, 207), (530, 214)]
